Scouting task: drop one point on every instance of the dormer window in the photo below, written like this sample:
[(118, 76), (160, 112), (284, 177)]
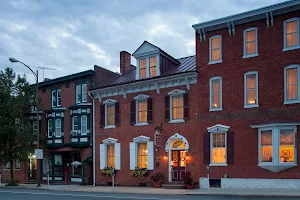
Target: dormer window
[(143, 68), (152, 68)]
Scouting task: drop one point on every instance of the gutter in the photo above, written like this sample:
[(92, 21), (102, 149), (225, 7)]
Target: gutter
[(94, 141)]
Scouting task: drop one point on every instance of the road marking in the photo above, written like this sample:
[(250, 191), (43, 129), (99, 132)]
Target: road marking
[(81, 195)]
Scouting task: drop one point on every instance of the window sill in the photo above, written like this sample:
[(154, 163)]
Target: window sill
[(277, 167), (250, 55), (291, 48), (218, 165), (141, 124), (215, 62), (215, 109), (175, 121), (251, 106), (108, 127), (291, 101)]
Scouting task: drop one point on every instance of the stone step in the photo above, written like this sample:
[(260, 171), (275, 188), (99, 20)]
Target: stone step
[(173, 186)]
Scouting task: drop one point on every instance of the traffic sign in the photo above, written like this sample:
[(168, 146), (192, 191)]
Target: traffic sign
[(38, 154)]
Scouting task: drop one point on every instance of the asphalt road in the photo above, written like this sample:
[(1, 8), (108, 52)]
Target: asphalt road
[(32, 194)]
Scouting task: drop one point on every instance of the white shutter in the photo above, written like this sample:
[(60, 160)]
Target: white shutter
[(102, 156), (132, 155), (150, 156), (117, 156)]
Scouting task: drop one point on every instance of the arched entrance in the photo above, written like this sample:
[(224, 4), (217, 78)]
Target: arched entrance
[(177, 146)]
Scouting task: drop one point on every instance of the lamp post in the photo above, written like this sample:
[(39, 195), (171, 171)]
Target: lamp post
[(13, 60)]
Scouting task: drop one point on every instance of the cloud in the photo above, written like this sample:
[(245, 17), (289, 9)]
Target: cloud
[(71, 36)]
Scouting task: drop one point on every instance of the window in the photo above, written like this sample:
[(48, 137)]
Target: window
[(142, 155), (111, 155), (250, 42), (16, 163), (142, 111), (56, 98), (215, 49), (291, 34), (81, 93), (277, 149), (218, 151), (34, 127), (75, 124), (215, 93), (177, 107), (143, 68), (291, 88), (152, 66), (76, 170), (110, 117), (83, 125), (50, 131), (251, 89), (58, 128)]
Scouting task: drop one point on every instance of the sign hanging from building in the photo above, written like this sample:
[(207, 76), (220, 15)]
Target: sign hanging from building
[(38, 154)]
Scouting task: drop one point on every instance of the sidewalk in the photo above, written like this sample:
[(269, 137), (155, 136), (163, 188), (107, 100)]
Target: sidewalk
[(253, 192)]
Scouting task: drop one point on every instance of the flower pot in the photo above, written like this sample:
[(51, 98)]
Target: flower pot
[(157, 184), (189, 187)]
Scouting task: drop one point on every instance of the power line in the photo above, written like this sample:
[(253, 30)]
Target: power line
[(44, 68)]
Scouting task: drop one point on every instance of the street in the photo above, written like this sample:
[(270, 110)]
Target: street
[(29, 194)]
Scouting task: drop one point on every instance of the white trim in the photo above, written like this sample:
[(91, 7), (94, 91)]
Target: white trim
[(141, 96), (285, 84), (210, 50), (219, 164), (176, 91), (171, 108), (156, 84), (275, 125), (141, 139), (51, 127), (73, 120), (218, 128), (58, 127), (77, 92), (256, 43), (52, 98), (285, 48), (59, 90), (210, 94), (245, 90), (109, 101), (83, 94), (141, 124), (108, 127), (176, 136), (110, 141), (176, 121)]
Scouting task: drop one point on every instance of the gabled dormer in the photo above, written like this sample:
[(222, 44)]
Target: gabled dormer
[(152, 61)]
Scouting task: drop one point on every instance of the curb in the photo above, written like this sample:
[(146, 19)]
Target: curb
[(244, 195)]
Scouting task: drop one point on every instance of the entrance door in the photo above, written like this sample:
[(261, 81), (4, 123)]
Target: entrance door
[(178, 160), (32, 169)]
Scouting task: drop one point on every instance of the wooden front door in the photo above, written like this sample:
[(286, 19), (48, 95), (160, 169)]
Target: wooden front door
[(178, 161)]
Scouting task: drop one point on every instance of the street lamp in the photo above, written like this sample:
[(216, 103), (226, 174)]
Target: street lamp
[(13, 60)]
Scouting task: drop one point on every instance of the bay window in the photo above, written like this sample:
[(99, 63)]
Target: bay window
[(215, 93), (215, 49), (84, 128), (291, 84), (50, 131), (251, 89), (291, 34), (75, 125), (58, 128), (266, 147)]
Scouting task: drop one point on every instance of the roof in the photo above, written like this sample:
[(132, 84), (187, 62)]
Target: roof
[(66, 78), (187, 64), (252, 15)]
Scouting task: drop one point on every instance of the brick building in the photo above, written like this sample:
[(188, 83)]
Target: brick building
[(248, 113)]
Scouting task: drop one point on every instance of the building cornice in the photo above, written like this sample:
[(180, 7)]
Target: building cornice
[(185, 79)]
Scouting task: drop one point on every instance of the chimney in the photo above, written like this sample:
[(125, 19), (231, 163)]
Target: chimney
[(125, 61)]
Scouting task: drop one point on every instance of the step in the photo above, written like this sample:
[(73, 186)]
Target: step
[(31, 182), (173, 186)]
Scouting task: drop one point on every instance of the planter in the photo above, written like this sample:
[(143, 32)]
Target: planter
[(142, 184), (190, 187), (157, 184)]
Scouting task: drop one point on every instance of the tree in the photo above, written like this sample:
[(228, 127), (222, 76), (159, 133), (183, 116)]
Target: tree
[(16, 135)]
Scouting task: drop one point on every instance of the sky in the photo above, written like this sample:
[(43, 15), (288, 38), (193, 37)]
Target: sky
[(70, 36)]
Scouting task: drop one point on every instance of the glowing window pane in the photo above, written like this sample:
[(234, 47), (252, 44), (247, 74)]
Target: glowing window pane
[(266, 148), (142, 158), (111, 155), (287, 146)]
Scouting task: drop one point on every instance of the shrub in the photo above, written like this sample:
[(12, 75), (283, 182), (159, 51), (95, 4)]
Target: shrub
[(157, 177)]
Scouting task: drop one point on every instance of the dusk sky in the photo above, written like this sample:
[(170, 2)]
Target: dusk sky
[(73, 35)]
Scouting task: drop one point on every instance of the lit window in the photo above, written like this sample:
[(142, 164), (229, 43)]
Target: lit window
[(110, 115), (57, 127), (251, 91), (142, 157), (287, 146), (152, 66), (250, 42), (291, 84), (142, 111), (291, 34), (215, 93), (215, 54), (111, 155), (50, 131), (177, 107), (83, 125), (56, 98), (143, 68), (266, 146), (218, 155), (81, 93)]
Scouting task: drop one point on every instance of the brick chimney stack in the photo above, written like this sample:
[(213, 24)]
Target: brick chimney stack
[(125, 61)]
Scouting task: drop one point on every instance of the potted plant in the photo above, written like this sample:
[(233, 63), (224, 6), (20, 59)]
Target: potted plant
[(189, 181), (157, 179), (141, 173)]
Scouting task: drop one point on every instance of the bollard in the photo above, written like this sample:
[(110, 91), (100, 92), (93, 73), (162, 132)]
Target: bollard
[(113, 178), (208, 172)]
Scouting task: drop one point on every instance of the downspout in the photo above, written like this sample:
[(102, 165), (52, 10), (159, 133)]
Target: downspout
[(94, 142)]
